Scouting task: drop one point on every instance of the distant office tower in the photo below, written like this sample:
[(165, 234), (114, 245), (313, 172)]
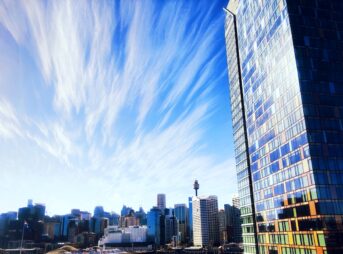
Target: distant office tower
[(141, 216), (190, 220), (65, 219), (84, 215), (52, 227), (162, 229), (223, 227), (76, 212), (30, 203), (154, 225), (234, 219), (181, 214), (230, 225), (168, 211), (286, 86), (205, 221), (5, 220), (33, 215), (171, 228), (72, 230), (161, 201), (98, 211), (114, 219), (234, 224), (129, 220), (98, 225), (126, 211), (235, 201)]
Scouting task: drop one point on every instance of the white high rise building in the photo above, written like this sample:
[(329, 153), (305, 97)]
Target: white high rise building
[(205, 221), (161, 202)]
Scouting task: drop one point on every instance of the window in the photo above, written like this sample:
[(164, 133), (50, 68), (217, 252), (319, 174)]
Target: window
[(332, 87), (321, 240), (279, 189)]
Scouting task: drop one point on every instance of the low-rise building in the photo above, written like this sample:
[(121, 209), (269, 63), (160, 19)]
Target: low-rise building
[(116, 235)]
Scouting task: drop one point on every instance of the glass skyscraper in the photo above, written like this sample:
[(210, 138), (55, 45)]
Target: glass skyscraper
[(190, 220), (154, 225), (181, 214), (285, 60)]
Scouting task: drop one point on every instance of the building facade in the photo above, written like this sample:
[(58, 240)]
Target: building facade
[(223, 227), (154, 225), (235, 201), (171, 229), (205, 221), (128, 221), (190, 221), (141, 216), (116, 235), (240, 135), (234, 224), (181, 214), (161, 201), (286, 87), (126, 211)]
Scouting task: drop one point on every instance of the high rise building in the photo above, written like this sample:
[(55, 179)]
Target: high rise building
[(181, 214), (98, 211), (52, 227), (126, 211), (84, 215), (154, 225), (65, 220), (98, 225), (33, 216), (161, 201), (286, 86), (114, 219), (5, 220), (76, 212), (223, 227), (233, 214), (171, 228), (128, 220), (205, 221), (141, 216), (235, 201), (190, 220), (234, 225), (168, 211)]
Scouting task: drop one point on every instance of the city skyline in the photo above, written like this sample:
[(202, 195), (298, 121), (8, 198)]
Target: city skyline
[(118, 211), (158, 226), (126, 101)]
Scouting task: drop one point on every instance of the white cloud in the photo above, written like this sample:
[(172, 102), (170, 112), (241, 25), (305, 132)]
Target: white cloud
[(131, 89), (9, 123)]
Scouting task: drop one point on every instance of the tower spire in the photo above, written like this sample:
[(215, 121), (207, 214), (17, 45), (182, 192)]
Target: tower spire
[(196, 187)]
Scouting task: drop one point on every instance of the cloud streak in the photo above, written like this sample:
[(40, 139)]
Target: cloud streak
[(132, 89)]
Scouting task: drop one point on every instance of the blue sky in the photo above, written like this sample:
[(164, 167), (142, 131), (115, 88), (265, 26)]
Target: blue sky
[(111, 102)]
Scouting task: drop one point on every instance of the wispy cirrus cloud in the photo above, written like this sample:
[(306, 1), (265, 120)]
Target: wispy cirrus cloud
[(10, 126), (131, 88)]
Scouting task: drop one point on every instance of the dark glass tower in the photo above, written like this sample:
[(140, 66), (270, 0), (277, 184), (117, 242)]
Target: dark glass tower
[(285, 61), (154, 225)]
